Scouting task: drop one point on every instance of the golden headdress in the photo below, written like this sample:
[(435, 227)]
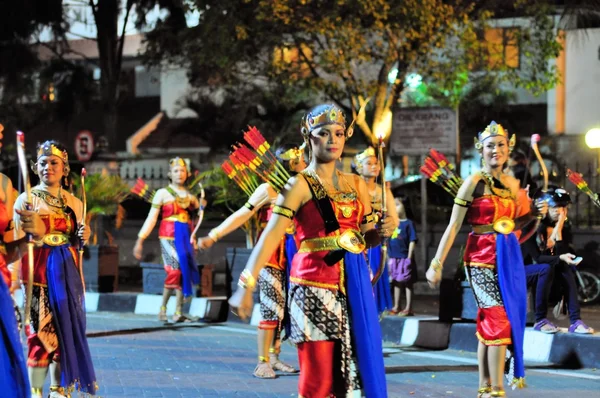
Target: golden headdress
[(50, 149), (292, 154), (367, 153), (322, 115), (494, 130), (177, 161)]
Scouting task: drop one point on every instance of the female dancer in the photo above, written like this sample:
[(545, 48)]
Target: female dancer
[(333, 314), (176, 203), (367, 165), (491, 202), (272, 281), (56, 336)]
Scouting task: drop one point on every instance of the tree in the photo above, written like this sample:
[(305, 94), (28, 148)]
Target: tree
[(346, 49)]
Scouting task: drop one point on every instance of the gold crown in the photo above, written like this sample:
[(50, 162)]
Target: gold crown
[(292, 154), (177, 161), (493, 130), (320, 116), (367, 153), (49, 149)]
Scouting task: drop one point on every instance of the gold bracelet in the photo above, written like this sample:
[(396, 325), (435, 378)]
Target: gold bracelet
[(247, 281), (436, 264), (213, 235)]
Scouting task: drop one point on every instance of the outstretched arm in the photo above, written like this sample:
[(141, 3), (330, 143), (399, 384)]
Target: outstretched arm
[(260, 197), (149, 224)]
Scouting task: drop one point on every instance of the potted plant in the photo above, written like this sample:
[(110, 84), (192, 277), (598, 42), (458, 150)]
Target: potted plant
[(104, 194)]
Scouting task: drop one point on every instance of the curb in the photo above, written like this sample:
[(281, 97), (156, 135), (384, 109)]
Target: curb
[(565, 349), (208, 309)]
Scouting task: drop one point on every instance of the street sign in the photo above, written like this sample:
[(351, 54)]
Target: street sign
[(84, 145), (416, 130)]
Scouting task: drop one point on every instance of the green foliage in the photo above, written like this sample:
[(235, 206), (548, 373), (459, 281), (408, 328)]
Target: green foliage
[(103, 193)]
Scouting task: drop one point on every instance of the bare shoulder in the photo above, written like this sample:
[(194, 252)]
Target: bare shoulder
[(511, 182)]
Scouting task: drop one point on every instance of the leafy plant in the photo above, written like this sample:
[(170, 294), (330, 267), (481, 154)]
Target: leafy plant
[(104, 193)]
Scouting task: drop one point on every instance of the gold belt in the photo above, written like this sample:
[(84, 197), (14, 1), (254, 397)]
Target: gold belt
[(350, 240), (503, 225), (55, 239), (181, 217)]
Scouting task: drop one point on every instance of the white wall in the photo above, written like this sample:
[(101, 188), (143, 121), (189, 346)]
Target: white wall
[(173, 87), (147, 82), (582, 81)]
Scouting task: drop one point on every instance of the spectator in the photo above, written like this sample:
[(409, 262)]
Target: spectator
[(550, 250), (401, 263)]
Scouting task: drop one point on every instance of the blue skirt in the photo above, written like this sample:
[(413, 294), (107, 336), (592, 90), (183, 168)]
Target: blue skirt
[(383, 293)]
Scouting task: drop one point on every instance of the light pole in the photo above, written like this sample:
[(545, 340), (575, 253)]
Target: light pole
[(592, 140)]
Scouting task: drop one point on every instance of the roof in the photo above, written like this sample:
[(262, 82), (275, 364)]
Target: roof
[(171, 133), (88, 49)]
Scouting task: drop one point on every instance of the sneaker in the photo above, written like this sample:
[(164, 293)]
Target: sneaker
[(545, 326), (580, 328)]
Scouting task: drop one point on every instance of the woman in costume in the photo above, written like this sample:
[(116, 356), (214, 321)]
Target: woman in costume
[(333, 314), (272, 281), (175, 204), (56, 335), (491, 201), (367, 165)]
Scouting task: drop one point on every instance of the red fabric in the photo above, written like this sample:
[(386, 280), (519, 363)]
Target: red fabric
[(268, 325), (173, 278), (277, 259), (316, 369), (37, 356), (493, 327), (481, 249), (167, 228), (309, 224)]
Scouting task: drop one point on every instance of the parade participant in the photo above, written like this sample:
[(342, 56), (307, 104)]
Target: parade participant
[(272, 280), (175, 204), (402, 267), (367, 165), (492, 258), (550, 250), (56, 334), (333, 314)]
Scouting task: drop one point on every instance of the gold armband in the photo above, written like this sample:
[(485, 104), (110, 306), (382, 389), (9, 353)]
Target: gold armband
[(284, 211), (461, 202), (213, 235), (247, 281), (249, 206), (368, 218), (436, 264)]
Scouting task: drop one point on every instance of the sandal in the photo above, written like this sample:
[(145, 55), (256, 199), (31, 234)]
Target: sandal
[(58, 392), (276, 364), (406, 313), (180, 318), (484, 392), (264, 370), (580, 328), (162, 314), (498, 392), (545, 326)]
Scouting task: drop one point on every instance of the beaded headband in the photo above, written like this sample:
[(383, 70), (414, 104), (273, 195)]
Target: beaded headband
[(320, 116), (367, 153), (494, 130), (48, 149)]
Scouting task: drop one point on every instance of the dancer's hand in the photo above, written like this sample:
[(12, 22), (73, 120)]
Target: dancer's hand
[(541, 207), (434, 273), (194, 242), (242, 303), (206, 242), (84, 232), (138, 249), (31, 223), (387, 226)]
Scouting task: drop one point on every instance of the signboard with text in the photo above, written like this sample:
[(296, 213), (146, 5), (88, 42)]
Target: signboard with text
[(416, 130)]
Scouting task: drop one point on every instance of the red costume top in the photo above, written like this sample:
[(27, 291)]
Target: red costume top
[(4, 221), (59, 228), (277, 259), (172, 212), (480, 250), (309, 268)]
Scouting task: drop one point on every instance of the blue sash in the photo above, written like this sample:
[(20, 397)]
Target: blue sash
[(67, 303), (190, 275), (383, 293), (14, 381), (364, 326)]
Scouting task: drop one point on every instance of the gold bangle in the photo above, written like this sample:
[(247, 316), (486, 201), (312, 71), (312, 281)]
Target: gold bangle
[(247, 280), (436, 264), (213, 235)]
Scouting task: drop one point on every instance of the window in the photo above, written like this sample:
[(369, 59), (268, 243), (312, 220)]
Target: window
[(501, 47)]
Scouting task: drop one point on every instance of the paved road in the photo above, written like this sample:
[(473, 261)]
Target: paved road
[(135, 356)]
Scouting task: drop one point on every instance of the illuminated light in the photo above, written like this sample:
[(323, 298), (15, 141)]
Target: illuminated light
[(592, 138), (383, 127), (414, 80), (51, 97), (392, 75)]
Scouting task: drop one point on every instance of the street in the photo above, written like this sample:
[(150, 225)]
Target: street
[(135, 356)]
